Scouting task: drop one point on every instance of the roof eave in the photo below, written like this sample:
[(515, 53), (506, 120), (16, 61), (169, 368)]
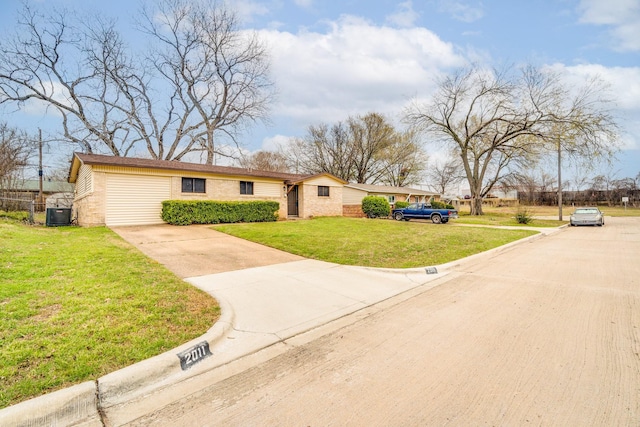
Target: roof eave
[(73, 169)]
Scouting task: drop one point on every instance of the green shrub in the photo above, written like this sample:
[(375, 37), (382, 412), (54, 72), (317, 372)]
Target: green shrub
[(401, 205), (375, 206), (185, 212), (523, 216)]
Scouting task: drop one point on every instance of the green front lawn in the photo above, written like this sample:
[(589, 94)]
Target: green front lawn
[(375, 243), (78, 303)]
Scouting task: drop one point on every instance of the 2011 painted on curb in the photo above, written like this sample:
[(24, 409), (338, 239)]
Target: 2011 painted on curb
[(194, 355)]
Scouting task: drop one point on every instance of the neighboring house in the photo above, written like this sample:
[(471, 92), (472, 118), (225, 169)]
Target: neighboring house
[(353, 194), (32, 186), (497, 198), (495, 194), (129, 191), (54, 193), (452, 200)]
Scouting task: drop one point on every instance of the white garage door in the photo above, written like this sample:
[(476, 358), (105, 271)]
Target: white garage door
[(136, 199)]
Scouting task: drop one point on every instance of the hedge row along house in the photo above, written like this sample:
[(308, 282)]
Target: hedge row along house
[(116, 191)]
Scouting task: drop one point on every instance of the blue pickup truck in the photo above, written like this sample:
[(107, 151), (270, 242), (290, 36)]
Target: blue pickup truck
[(424, 211)]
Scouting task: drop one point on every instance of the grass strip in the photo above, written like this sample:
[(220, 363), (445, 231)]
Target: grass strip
[(503, 219)]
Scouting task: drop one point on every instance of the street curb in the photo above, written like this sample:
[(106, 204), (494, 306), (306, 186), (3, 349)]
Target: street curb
[(457, 263), (76, 405), (87, 404)]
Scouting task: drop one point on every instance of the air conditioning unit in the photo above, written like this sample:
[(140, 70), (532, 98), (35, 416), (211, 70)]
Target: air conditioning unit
[(58, 216)]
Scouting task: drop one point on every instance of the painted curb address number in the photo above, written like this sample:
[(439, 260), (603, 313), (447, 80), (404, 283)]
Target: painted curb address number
[(193, 355)]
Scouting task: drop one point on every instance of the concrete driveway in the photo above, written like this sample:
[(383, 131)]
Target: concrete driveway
[(197, 250)]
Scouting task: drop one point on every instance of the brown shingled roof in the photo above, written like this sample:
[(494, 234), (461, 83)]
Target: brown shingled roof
[(375, 188), (132, 162)]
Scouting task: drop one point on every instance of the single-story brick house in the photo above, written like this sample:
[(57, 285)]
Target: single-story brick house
[(352, 196), (113, 191)]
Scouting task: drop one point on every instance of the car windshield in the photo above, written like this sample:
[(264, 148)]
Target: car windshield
[(587, 211)]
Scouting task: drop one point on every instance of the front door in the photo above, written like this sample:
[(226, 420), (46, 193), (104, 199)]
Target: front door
[(292, 201)]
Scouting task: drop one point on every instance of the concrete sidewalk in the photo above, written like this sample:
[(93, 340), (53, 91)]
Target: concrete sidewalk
[(267, 297)]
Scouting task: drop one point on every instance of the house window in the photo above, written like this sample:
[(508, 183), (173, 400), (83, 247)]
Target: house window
[(323, 191), (391, 199), (193, 185), (246, 187)]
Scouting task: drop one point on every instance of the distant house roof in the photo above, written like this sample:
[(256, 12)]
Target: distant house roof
[(33, 185), (132, 162), (386, 189)]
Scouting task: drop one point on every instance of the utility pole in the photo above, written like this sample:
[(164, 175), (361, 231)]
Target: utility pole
[(559, 180), (40, 196)]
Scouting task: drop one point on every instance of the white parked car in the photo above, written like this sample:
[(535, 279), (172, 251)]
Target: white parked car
[(587, 216)]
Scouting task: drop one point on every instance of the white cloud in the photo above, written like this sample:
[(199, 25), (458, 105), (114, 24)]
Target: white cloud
[(274, 142), (57, 91), (624, 86), (247, 9), (405, 16), (624, 82), (622, 15), (354, 68), (462, 11)]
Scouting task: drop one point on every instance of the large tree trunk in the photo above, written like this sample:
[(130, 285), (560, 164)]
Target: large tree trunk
[(475, 186), (476, 205)]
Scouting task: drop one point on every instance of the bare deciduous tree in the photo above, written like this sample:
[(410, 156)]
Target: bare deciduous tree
[(47, 64), (364, 149), (205, 79), (14, 152), (403, 160), (443, 175), (499, 122), (219, 74), (326, 149), (265, 161), (369, 136)]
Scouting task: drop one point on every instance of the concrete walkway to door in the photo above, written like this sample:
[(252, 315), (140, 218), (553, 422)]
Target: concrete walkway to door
[(198, 250)]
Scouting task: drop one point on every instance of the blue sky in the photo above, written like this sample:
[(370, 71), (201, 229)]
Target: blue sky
[(332, 59)]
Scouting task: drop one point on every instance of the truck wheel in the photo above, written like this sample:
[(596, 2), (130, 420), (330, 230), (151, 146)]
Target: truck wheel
[(397, 216), (436, 219)]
